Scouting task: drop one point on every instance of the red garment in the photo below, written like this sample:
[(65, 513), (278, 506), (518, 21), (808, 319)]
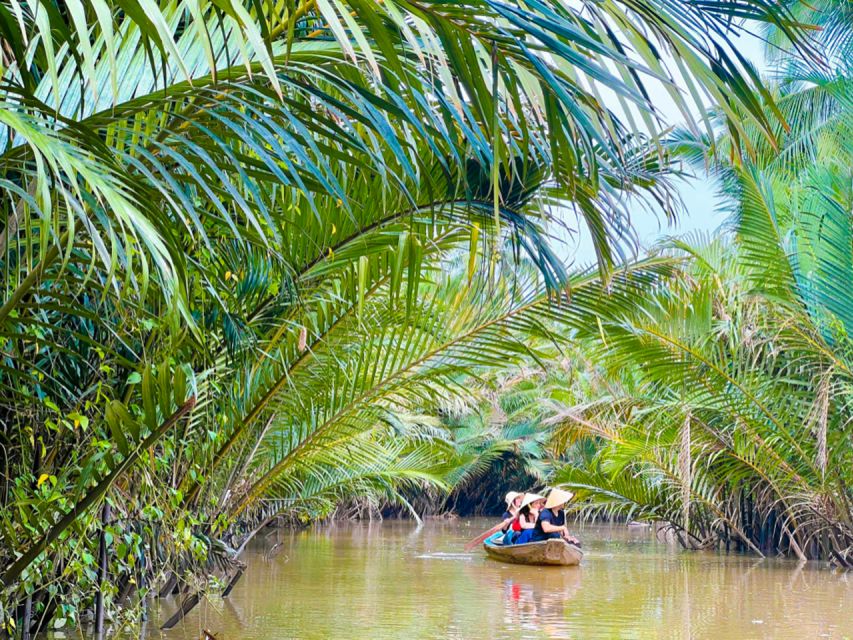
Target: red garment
[(516, 524)]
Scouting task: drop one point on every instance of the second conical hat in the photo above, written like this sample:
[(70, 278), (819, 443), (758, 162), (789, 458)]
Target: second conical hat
[(530, 498)]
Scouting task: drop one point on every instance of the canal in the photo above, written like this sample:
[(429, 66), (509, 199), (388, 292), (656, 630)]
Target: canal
[(393, 579)]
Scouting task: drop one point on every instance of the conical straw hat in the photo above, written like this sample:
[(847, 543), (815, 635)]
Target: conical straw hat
[(512, 495), (530, 498), (558, 497)]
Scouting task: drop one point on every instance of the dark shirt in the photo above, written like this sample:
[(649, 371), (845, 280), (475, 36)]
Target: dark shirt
[(506, 516), (546, 515)]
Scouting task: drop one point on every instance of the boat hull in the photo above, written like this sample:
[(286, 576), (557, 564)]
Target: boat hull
[(553, 552)]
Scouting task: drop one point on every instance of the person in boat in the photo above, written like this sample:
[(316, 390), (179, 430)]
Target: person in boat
[(524, 526), (551, 522), (513, 504)]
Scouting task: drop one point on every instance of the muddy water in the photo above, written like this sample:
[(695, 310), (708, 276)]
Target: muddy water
[(394, 580)]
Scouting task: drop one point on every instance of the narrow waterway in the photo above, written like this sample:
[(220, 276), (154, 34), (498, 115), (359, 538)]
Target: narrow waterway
[(395, 580)]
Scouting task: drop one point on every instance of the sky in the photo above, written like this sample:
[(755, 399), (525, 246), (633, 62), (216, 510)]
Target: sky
[(702, 201)]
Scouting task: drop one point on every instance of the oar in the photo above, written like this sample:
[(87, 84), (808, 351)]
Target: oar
[(473, 543)]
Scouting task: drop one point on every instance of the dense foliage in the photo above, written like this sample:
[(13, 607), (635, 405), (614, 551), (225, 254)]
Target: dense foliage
[(729, 416), (716, 399), (225, 232)]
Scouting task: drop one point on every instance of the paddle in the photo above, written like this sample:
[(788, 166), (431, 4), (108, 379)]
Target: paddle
[(473, 543)]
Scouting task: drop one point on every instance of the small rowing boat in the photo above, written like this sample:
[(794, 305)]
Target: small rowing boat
[(555, 552)]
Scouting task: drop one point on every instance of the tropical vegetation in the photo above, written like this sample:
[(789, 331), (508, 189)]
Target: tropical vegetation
[(246, 245), (729, 412)]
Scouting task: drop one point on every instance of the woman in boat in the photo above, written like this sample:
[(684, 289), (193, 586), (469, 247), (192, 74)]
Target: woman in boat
[(513, 504), (510, 517), (525, 524), (551, 522)]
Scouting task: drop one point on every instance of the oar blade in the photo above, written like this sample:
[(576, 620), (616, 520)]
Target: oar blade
[(474, 542)]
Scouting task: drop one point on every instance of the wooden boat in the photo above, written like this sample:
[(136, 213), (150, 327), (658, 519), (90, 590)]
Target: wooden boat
[(546, 552)]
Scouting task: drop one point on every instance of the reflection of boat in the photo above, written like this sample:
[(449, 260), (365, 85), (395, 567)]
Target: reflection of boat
[(548, 552)]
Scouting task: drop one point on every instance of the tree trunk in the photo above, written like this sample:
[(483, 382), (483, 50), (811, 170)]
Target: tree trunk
[(186, 606), (28, 618), (102, 571)]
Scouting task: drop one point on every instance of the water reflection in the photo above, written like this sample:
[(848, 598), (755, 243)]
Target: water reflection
[(391, 580), (541, 606)]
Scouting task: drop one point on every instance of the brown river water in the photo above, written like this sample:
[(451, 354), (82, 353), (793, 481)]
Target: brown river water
[(395, 580)]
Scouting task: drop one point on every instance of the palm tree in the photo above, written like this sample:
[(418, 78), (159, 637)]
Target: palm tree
[(207, 204), (731, 421)]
